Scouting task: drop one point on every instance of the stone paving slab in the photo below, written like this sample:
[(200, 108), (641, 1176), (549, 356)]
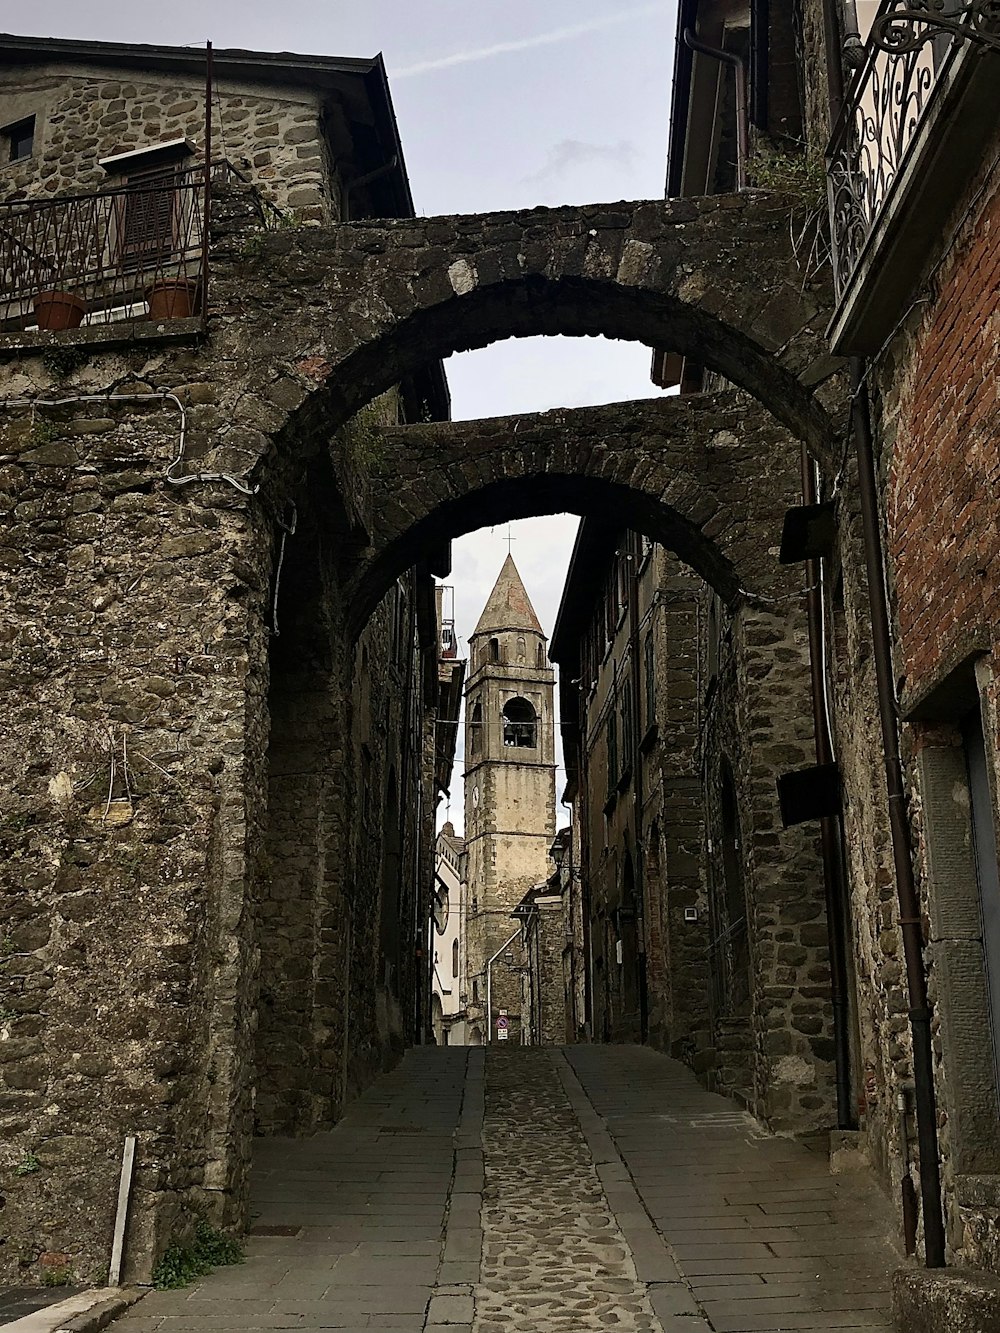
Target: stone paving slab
[(763, 1236), (513, 1190)]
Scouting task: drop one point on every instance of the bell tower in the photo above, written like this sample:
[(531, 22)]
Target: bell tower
[(510, 792)]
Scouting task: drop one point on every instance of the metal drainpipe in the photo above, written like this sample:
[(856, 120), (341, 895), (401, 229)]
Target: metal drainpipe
[(834, 61), (742, 125), (830, 827), (586, 902), (909, 909), (640, 879)]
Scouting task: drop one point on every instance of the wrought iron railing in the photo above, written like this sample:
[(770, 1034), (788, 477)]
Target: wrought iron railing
[(132, 252), (886, 103)]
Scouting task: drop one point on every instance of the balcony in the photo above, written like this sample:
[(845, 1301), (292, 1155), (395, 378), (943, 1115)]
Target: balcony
[(904, 148), (134, 253)]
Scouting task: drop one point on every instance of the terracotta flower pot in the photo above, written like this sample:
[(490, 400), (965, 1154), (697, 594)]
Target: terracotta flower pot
[(59, 310), (172, 298)]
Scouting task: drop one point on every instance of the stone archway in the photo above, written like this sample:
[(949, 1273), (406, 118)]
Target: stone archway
[(709, 477), (173, 588), (354, 309)]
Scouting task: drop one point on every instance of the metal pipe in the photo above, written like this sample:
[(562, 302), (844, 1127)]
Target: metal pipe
[(638, 870), (489, 983), (834, 60), (739, 70), (899, 827), (830, 827), (206, 220)]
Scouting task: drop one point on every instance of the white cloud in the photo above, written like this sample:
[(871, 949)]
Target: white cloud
[(525, 43)]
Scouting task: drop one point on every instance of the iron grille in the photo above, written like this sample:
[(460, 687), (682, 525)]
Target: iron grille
[(884, 109), (109, 249)]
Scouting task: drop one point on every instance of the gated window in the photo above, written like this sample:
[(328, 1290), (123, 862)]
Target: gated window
[(476, 728), (519, 724), (19, 139)]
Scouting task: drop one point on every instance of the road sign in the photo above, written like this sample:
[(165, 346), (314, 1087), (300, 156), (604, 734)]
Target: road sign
[(503, 1023), (502, 1034)]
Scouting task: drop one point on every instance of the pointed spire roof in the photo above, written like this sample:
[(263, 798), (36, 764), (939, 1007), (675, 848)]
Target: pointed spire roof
[(508, 606)]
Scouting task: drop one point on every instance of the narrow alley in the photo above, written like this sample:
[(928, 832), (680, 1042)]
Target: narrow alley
[(507, 1190)]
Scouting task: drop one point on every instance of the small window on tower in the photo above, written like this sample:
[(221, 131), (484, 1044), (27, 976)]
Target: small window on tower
[(540, 656), (476, 728), (521, 649), (519, 724), (19, 139), (494, 650)]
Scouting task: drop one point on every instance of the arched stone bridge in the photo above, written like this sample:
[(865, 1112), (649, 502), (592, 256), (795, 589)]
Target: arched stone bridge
[(709, 476), (353, 309)]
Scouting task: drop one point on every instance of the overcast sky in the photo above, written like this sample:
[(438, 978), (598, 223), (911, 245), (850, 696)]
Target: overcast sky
[(500, 105)]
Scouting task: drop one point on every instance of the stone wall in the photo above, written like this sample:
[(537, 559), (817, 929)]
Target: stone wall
[(273, 135), (759, 725), (134, 663)]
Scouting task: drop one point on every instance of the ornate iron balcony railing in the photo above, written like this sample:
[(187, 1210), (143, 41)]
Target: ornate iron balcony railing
[(106, 254), (885, 107)]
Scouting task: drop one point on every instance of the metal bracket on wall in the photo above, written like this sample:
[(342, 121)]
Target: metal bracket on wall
[(911, 23)]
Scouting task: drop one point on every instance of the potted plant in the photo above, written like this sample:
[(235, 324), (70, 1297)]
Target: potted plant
[(59, 310), (172, 298)]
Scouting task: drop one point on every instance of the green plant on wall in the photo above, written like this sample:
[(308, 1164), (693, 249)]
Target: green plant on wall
[(28, 1165), (183, 1263), (57, 1277), (800, 174), (43, 432), (364, 446)]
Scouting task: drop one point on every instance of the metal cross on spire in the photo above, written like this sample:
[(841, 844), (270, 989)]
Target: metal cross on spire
[(509, 540)]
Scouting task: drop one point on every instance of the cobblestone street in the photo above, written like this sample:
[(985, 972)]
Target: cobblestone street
[(534, 1189)]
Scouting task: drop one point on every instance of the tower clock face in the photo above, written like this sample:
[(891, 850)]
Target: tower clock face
[(475, 796)]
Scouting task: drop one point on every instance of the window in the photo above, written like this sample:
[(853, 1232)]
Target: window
[(519, 724), (650, 669), (476, 728), (454, 958), (20, 139), (612, 750), (540, 655), (521, 648), (626, 717), (494, 650), (148, 218)]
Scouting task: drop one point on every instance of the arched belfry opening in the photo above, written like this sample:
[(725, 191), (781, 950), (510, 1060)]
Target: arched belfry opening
[(520, 724)]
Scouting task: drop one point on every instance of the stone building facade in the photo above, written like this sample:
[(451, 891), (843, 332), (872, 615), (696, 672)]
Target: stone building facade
[(198, 794), (705, 939), (252, 841), (913, 325), (447, 939), (510, 787)]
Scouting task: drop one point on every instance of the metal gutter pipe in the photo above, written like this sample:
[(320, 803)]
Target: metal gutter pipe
[(739, 70), (639, 869), (830, 827), (909, 908)]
